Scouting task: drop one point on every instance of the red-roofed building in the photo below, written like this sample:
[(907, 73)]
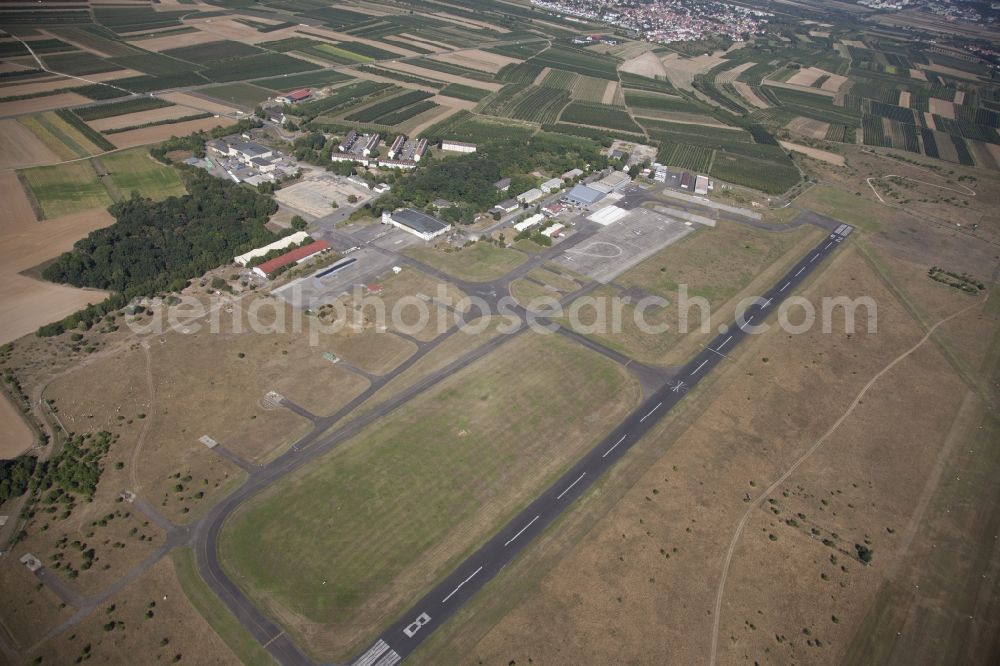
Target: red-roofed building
[(298, 255), (294, 96)]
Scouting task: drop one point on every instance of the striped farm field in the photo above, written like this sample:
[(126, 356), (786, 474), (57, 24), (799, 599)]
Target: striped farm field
[(63, 139), (685, 156), (559, 78), (65, 188), (589, 89)]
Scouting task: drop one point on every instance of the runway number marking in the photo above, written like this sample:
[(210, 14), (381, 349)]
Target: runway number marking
[(650, 412), (412, 628), (461, 584), (699, 367), (511, 540), (571, 485), (614, 446)]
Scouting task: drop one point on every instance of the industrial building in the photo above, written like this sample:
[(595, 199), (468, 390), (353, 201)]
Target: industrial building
[(458, 146), (280, 244), (296, 256), (572, 174), (584, 195), (702, 185), (294, 96), (613, 182), (419, 224)]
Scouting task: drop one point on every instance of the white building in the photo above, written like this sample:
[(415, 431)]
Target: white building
[(529, 222), (458, 146), (281, 244), (419, 224), (552, 184), (531, 196)]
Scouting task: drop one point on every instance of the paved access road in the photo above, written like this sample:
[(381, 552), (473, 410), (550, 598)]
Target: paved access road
[(401, 638)]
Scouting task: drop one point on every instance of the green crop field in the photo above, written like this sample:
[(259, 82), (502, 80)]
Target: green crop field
[(111, 109), (66, 188), (201, 54), (768, 177), (135, 171), (466, 126), (375, 111), (578, 61), (284, 541), (308, 79), (79, 64), (448, 68), (342, 97), (558, 78), (404, 114), (589, 89), (531, 103), (598, 115), (521, 72), (243, 94), (668, 103), (468, 93), (334, 54), (685, 156), (268, 64)]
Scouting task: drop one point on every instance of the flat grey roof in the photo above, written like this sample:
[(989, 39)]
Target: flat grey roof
[(587, 195), (418, 221)]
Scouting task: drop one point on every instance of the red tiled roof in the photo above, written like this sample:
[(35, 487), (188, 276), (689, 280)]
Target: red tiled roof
[(297, 254), (301, 93)]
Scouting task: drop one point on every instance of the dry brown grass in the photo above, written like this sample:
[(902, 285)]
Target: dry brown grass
[(19, 147), (29, 609), (147, 135), (141, 637), (650, 566)]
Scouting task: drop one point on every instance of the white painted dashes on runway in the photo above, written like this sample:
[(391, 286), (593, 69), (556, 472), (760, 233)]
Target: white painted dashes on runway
[(700, 366), (519, 533), (450, 594), (650, 412), (614, 446), (568, 488)]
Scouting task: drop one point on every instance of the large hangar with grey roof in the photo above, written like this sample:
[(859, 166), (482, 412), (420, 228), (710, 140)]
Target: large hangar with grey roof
[(419, 224)]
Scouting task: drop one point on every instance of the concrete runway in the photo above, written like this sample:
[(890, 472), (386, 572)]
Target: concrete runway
[(403, 636)]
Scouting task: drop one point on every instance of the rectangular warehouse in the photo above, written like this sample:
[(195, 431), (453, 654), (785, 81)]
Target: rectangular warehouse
[(413, 221)]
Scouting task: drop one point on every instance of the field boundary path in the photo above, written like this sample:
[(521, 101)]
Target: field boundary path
[(798, 463)]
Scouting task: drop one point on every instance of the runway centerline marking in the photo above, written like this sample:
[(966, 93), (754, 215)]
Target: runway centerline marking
[(723, 343), (785, 287), (766, 303), (828, 245), (511, 540), (463, 583), (700, 366), (650, 412), (747, 322), (799, 272), (570, 486), (814, 257), (614, 446)]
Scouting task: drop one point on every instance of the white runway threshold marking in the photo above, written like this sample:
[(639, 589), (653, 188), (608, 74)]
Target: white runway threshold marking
[(700, 366), (560, 496), (650, 412), (470, 577), (511, 540), (614, 446)]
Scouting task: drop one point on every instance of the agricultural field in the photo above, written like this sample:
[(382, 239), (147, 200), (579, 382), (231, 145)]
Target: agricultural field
[(467, 93), (685, 156), (242, 94), (63, 137), (211, 52), (111, 109), (598, 115), (259, 66), (65, 188), (578, 61), (375, 112), (526, 102), (135, 171)]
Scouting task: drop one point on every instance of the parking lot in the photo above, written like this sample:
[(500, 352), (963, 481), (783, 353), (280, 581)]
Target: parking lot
[(314, 195), (619, 246)]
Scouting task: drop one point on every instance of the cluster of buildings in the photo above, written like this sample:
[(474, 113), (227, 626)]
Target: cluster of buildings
[(590, 40), (584, 195), (246, 161), (534, 194), (404, 153), (684, 180), (666, 21)]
